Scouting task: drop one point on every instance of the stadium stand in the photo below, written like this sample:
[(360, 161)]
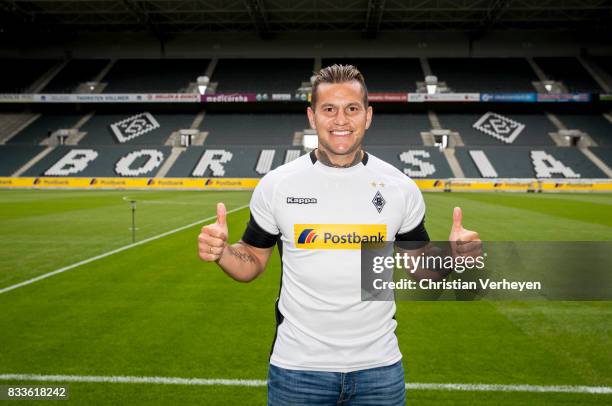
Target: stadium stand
[(153, 75), (245, 142), (484, 74), (604, 153), (141, 128), (247, 162), (385, 74), (261, 75), (13, 122), (423, 162), (569, 71), (17, 75), (595, 125), (416, 162), (535, 130), (99, 161), (13, 157), (42, 128), (77, 71), (397, 129), (253, 129), (604, 62), (519, 162)]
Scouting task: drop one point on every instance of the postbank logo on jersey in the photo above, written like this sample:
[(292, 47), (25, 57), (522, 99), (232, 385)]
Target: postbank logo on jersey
[(337, 236)]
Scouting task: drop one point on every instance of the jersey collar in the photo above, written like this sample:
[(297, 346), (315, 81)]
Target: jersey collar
[(313, 158)]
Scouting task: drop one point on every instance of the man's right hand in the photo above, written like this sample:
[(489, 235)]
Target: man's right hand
[(213, 237)]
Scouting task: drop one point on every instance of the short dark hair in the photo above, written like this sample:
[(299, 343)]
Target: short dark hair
[(338, 74)]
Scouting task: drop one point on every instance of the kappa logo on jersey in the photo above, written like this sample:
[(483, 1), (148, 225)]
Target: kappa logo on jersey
[(301, 200), (337, 236)]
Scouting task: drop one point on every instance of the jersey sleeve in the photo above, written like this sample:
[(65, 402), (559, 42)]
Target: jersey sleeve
[(414, 214), (262, 230)]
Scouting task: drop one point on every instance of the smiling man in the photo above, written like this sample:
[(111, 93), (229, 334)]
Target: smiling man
[(330, 347), (342, 117)]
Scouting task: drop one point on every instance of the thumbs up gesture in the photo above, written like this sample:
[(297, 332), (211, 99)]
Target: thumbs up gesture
[(213, 237), (463, 242)]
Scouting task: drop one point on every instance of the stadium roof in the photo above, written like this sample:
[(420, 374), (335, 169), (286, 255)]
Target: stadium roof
[(268, 18)]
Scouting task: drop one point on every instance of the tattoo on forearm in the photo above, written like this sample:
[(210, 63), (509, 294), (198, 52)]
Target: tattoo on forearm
[(243, 256), (327, 162)]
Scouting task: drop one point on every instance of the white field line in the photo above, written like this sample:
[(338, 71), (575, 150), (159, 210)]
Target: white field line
[(160, 380), (481, 387), (109, 253)]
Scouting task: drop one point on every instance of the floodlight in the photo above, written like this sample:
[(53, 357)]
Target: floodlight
[(203, 82), (431, 82)]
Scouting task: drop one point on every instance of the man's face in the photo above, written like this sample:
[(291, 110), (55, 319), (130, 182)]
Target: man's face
[(340, 117)]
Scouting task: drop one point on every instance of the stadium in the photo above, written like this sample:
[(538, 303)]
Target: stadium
[(123, 123)]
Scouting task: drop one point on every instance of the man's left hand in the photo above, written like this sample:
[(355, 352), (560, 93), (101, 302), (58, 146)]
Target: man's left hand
[(464, 243)]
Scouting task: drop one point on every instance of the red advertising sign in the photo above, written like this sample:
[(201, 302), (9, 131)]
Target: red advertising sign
[(388, 97), (229, 98)]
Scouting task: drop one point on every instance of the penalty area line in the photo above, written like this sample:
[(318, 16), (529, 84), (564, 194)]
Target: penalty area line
[(161, 380), (112, 252)]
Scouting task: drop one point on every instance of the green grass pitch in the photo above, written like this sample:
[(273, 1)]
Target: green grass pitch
[(156, 310)]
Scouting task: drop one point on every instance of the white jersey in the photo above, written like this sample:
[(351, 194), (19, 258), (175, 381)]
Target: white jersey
[(319, 211)]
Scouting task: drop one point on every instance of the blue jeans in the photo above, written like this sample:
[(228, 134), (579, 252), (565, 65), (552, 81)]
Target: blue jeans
[(382, 386)]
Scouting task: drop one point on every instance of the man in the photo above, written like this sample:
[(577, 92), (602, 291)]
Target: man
[(330, 347)]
